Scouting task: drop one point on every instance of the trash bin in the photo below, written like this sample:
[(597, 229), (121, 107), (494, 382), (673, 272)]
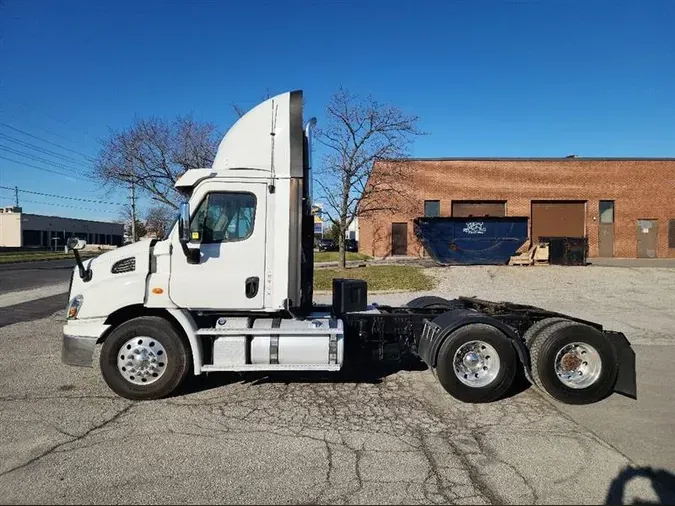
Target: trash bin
[(471, 241), (566, 250)]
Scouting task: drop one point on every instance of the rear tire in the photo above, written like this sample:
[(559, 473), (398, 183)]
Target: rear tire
[(432, 302), (573, 363), (453, 363), (539, 327), (157, 340)]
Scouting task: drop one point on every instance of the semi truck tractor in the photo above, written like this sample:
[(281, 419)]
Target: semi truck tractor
[(230, 288)]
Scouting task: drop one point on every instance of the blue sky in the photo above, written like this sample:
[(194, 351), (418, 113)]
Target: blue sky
[(487, 78)]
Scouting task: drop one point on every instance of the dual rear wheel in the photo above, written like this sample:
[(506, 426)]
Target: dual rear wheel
[(572, 362)]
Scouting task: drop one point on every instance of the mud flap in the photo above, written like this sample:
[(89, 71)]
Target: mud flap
[(626, 383)]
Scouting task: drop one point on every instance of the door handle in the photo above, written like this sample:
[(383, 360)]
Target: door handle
[(251, 287)]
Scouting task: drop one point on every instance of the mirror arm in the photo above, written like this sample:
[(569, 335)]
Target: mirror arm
[(85, 274), (192, 255)]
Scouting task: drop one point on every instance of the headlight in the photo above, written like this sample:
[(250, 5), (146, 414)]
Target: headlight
[(74, 307)]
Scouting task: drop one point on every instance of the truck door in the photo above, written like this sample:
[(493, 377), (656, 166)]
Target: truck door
[(228, 225)]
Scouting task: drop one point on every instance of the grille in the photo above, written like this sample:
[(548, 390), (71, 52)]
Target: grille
[(124, 265)]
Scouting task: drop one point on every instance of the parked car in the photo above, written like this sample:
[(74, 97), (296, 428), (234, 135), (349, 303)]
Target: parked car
[(352, 245), (327, 245)]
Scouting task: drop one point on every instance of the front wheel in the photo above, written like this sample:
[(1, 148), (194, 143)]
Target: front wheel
[(476, 363), (144, 358)]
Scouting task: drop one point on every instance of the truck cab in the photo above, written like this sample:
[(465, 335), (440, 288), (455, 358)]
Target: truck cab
[(235, 265)]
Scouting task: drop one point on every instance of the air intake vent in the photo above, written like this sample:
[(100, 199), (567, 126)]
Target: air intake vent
[(124, 265)]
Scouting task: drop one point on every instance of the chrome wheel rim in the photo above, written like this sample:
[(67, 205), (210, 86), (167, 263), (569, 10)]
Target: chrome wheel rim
[(578, 365), (142, 360), (476, 364)]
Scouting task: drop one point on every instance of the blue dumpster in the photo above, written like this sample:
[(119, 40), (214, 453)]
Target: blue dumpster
[(471, 241)]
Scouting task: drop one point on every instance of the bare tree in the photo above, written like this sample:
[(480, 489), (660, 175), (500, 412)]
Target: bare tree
[(158, 219), (125, 217), (153, 153), (358, 132)]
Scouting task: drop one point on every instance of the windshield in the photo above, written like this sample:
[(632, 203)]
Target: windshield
[(170, 227)]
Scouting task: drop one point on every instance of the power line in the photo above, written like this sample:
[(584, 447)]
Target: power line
[(70, 176), (48, 142), (72, 207), (62, 196), (36, 158), (73, 170), (68, 139), (38, 148), (69, 206), (66, 124)]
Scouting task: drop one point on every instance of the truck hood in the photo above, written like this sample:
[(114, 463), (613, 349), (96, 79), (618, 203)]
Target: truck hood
[(133, 250), (118, 279)]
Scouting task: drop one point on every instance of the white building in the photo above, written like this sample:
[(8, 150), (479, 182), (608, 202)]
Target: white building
[(353, 230), (18, 229)]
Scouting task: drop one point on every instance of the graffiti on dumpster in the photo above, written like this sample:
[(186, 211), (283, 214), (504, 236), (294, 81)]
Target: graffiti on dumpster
[(474, 227)]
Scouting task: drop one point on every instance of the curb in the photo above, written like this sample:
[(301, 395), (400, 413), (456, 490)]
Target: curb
[(33, 260), (376, 292)]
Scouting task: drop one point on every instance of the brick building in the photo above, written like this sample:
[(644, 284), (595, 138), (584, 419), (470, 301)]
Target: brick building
[(625, 207)]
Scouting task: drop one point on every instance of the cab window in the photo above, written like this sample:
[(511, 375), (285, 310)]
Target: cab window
[(224, 217)]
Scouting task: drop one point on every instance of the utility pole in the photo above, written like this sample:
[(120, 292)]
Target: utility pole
[(130, 176), (133, 211), (16, 195)]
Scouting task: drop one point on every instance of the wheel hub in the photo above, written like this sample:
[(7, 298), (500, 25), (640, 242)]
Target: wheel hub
[(142, 360), (571, 361), (472, 361), (578, 365), (476, 363)]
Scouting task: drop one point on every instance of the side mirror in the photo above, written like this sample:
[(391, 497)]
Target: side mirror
[(184, 223), (74, 243), (184, 235)]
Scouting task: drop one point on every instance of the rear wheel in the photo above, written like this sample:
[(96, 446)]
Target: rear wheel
[(476, 363), (144, 358), (574, 363)]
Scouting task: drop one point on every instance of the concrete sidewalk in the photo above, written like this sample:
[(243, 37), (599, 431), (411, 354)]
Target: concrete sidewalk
[(632, 262), (428, 262)]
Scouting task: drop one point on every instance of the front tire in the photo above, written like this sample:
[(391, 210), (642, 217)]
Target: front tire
[(573, 363), (144, 358), (476, 363)]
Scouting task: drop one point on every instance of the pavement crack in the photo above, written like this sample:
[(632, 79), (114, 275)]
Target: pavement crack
[(533, 491), (54, 448), (433, 472)]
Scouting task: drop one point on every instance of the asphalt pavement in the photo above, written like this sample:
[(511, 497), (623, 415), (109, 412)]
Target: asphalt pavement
[(27, 275), (33, 290), (257, 439), (390, 438)]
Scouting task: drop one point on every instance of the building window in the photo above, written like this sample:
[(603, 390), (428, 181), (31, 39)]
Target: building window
[(671, 233), (432, 208), (478, 208), (606, 211)]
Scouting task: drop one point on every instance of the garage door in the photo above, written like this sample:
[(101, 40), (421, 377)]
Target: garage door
[(558, 219), (478, 209)]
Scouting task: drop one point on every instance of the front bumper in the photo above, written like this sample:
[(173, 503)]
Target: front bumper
[(79, 340)]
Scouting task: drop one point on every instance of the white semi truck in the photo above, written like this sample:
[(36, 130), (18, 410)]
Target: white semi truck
[(230, 289)]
